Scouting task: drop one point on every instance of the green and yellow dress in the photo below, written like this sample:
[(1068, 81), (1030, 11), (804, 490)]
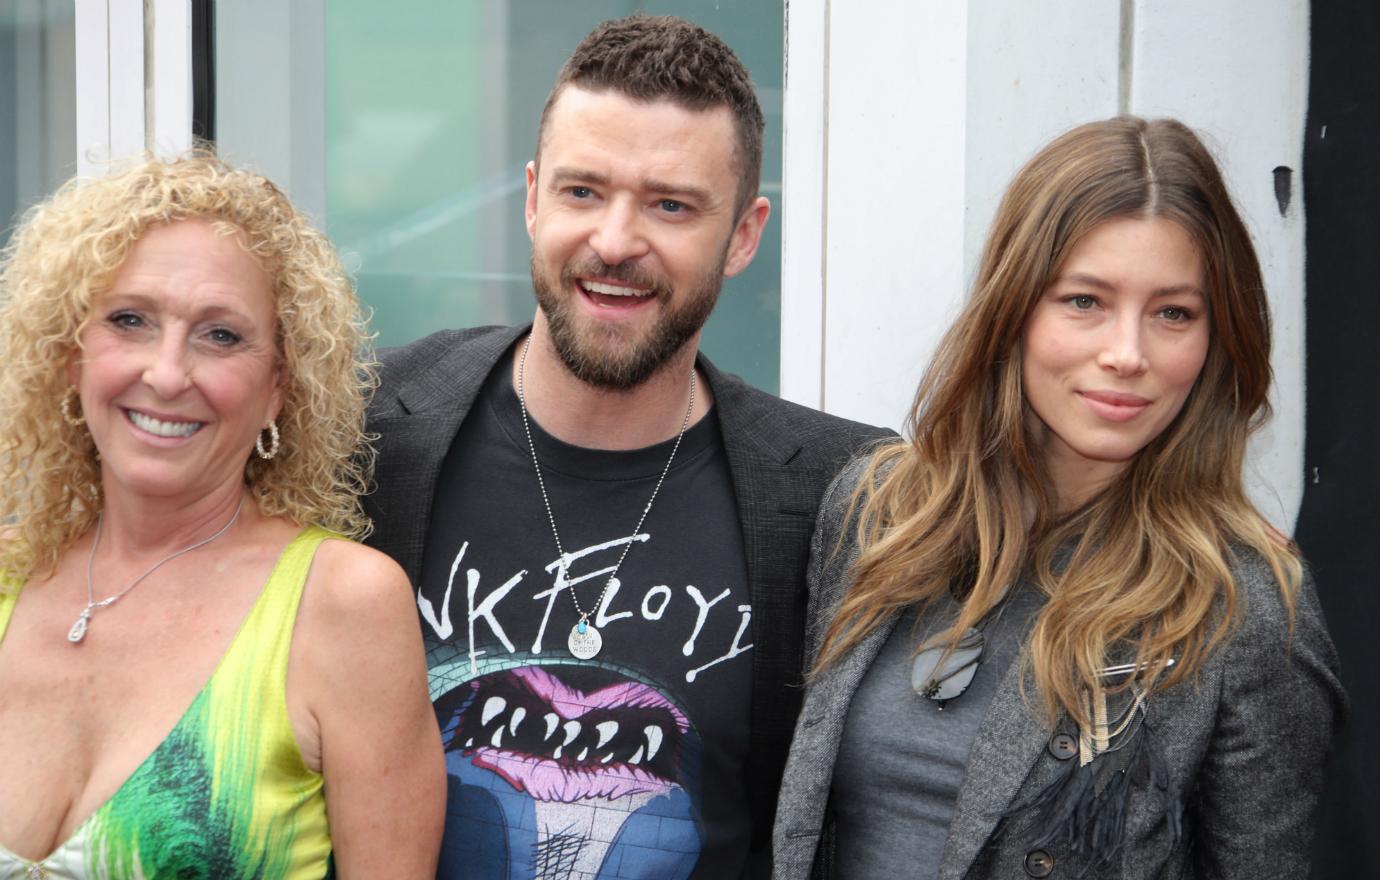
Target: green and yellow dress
[(226, 794)]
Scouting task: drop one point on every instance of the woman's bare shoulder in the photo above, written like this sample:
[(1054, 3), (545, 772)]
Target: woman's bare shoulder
[(350, 582)]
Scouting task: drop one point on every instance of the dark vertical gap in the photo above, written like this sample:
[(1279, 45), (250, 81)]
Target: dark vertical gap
[(824, 225), (1339, 517), (203, 70)]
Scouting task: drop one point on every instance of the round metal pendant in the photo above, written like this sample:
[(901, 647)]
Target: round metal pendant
[(585, 645)]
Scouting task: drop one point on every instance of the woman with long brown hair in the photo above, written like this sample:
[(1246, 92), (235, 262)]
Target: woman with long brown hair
[(1049, 632)]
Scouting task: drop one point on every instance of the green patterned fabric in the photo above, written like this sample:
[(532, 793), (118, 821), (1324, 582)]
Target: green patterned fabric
[(226, 794)]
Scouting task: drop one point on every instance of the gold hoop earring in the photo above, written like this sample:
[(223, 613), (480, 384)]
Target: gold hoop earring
[(272, 450), (65, 405)]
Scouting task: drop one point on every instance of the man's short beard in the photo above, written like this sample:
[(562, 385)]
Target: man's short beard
[(603, 356)]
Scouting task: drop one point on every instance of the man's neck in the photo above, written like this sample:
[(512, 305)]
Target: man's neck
[(595, 418)]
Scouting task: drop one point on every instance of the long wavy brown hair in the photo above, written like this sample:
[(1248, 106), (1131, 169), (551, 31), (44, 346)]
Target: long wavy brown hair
[(966, 505), (67, 251)]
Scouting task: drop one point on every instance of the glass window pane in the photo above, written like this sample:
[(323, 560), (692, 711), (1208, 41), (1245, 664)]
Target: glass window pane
[(430, 115), (38, 99)]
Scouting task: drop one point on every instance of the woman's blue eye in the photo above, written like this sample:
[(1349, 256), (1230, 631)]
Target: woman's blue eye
[(1082, 302), (127, 320), (1176, 313), (222, 336)]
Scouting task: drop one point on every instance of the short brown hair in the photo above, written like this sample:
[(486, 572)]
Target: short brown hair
[(653, 58)]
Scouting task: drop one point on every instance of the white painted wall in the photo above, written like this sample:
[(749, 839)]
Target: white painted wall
[(896, 152), (925, 110)]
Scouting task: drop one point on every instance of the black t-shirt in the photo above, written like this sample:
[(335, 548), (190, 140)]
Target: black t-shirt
[(630, 764)]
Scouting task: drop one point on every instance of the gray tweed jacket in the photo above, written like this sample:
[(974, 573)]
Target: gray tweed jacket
[(781, 456), (1246, 743)]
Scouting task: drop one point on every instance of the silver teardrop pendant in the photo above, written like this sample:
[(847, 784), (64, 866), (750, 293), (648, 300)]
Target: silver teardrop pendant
[(78, 630)]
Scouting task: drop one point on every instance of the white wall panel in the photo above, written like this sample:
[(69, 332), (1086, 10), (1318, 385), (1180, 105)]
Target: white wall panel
[(896, 141), (170, 98), (93, 84), (1034, 71), (1237, 71), (803, 204), (126, 83)]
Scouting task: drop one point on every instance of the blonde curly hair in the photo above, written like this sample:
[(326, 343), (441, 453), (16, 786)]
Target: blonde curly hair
[(67, 251)]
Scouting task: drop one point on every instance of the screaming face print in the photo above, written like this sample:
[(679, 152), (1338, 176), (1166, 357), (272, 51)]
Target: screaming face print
[(575, 766)]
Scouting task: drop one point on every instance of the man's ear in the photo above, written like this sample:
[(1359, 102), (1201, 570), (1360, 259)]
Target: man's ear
[(531, 209), (742, 244)]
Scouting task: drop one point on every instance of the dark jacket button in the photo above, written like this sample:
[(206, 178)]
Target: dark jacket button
[(1063, 746), (1039, 863)]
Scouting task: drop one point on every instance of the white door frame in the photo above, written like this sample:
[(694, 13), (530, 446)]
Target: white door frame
[(127, 52)]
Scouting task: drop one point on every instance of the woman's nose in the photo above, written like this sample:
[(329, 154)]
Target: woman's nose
[(167, 371)]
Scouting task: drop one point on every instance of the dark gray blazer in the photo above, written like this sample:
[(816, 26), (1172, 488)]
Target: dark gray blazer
[(781, 456), (1246, 743)]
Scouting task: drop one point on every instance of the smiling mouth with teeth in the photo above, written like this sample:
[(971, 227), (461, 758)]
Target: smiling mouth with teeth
[(562, 744), (160, 428), (614, 290)]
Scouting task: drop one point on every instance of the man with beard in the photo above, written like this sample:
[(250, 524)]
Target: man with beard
[(608, 535)]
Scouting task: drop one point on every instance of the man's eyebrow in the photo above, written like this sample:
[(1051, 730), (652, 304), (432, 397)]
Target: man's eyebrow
[(562, 176), (688, 191)]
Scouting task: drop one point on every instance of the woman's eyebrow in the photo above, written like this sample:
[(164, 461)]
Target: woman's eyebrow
[(1102, 284)]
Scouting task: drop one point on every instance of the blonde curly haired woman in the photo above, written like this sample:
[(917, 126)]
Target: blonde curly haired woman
[(200, 677), (1050, 635)]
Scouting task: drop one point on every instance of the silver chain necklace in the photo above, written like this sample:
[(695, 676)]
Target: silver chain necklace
[(585, 640), (78, 630)]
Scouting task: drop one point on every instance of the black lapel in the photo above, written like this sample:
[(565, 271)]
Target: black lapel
[(415, 431), (759, 454), (776, 510)]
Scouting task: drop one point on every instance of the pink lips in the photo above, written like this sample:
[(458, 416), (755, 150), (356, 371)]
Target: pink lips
[(1114, 406)]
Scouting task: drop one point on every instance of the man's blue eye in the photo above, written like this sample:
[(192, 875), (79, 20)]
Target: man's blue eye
[(581, 192), (671, 206)]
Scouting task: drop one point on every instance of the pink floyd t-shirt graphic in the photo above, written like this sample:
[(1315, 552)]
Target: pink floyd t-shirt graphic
[(580, 780), (629, 764)]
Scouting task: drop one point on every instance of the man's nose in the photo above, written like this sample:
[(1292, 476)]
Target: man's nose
[(618, 235)]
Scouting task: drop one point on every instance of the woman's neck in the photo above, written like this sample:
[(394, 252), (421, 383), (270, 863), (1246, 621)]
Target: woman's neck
[(137, 526)]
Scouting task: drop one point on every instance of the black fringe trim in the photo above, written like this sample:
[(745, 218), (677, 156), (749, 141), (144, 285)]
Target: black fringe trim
[(1084, 808)]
